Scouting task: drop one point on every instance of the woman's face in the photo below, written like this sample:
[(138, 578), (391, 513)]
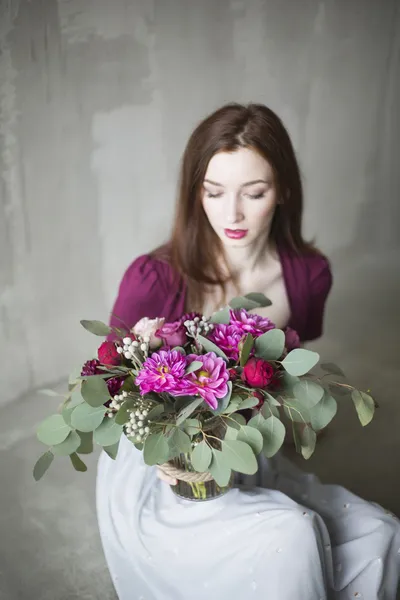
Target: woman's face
[(239, 196)]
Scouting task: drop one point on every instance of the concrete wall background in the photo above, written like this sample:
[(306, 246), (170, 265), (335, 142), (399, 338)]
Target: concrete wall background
[(97, 99)]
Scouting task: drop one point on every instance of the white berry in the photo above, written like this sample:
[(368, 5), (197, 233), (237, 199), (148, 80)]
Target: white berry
[(127, 341), (128, 355)]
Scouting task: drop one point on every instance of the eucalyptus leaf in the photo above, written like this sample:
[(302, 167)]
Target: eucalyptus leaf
[(191, 426), (209, 346), (322, 414), (239, 456), (257, 421), (271, 400), (252, 437), (112, 451), (87, 418), (365, 406), (95, 391), (249, 402), (76, 398), (53, 430), (288, 382), (300, 361), (219, 468), (181, 441), (155, 412), (339, 390), (188, 410), (236, 421), (86, 446), (295, 411), (221, 316), (270, 345), (123, 414), (68, 446), (273, 433), (194, 366), (77, 463), (243, 302), (332, 369), (308, 392), (155, 449), (246, 349), (231, 433), (66, 414), (308, 441), (201, 457), (259, 298), (42, 464), (224, 402), (267, 410), (96, 327), (108, 432)]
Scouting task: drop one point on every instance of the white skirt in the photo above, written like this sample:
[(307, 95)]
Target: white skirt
[(279, 535)]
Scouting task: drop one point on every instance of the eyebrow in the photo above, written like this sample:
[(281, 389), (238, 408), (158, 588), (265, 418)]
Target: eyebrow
[(244, 184)]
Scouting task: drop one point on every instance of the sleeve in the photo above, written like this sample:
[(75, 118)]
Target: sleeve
[(142, 293), (320, 285)]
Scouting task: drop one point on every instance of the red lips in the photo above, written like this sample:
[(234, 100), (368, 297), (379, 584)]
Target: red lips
[(235, 234)]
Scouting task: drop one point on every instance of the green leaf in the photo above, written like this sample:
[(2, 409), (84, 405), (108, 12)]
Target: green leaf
[(211, 347), (270, 345), (180, 441), (272, 401), (257, 421), (273, 433), (239, 456), (339, 390), (86, 446), (77, 463), (236, 421), (231, 433), (194, 366), (243, 302), (259, 298), (221, 316), (252, 437), (288, 382), (42, 465), (201, 457), (112, 451), (95, 391), (53, 430), (96, 327), (365, 406), (191, 426), (219, 468), (86, 418), (75, 399), (188, 410), (295, 411), (155, 449), (332, 369), (155, 412), (74, 375), (224, 402), (322, 414), (123, 414), (249, 402), (246, 349), (309, 393), (267, 410), (66, 414), (300, 361), (51, 393), (68, 446), (308, 441), (107, 433)]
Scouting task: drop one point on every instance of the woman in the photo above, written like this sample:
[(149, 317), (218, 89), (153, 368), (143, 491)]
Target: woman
[(280, 534)]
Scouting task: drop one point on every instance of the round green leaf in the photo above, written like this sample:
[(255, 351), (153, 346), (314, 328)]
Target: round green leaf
[(87, 418), (270, 345), (273, 432), (123, 415), (219, 468), (260, 299), (332, 369), (300, 361), (231, 433), (252, 437), (191, 426), (68, 446), (77, 463), (211, 347), (112, 451), (236, 421), (221, 316), (246, 349), (249, 402), (95, 391), (201, 457), (243, 302), (53, 430), (188, 410), (194, 366), (156, 450), (42, 465), (96, 327), (308, 441), (224, 402), (107, 433), (322, 414), (309, 393), (295, 411), (257, 421), (239, 456), (76, 398), (86, 446), (180, 441), (365, 406)]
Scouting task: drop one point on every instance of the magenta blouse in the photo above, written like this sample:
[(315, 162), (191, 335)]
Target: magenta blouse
[(151, 288)]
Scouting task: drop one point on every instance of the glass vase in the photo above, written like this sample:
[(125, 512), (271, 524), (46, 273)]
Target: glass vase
[(205, 490)]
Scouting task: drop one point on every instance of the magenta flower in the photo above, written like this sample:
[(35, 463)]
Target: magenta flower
[(246, 322), (172, 334), (227, 338), (91, 368), (210, 381), (190, 317), (163, 372)]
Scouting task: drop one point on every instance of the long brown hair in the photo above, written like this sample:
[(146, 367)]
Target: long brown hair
[(194, 245)]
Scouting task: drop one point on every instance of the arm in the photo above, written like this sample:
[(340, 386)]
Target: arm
[(320, 285)]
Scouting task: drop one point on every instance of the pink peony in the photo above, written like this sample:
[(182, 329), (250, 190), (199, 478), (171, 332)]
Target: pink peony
[(172, 334), (258, 373), (163, 372), (246, 322), (210, 381), (227, 338), (292, 340)]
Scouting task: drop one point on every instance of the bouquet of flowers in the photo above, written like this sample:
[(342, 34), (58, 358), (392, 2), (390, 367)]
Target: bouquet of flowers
[(201, 398)]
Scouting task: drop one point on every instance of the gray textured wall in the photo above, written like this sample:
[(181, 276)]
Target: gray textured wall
[(97, 99)]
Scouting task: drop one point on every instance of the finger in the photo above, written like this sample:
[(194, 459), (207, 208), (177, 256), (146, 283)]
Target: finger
[(170, 480)]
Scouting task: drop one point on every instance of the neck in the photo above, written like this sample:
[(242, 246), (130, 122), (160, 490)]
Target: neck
[(247, 259)]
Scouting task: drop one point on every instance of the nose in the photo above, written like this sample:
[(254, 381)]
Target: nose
[(234, 210)]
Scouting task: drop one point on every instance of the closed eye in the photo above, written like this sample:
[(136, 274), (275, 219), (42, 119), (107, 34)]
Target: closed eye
[(210, 195), (256, 196)]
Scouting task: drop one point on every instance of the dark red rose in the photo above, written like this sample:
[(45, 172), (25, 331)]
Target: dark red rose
[(233, 374), (257, 373), (108, 354), (292, 340)]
